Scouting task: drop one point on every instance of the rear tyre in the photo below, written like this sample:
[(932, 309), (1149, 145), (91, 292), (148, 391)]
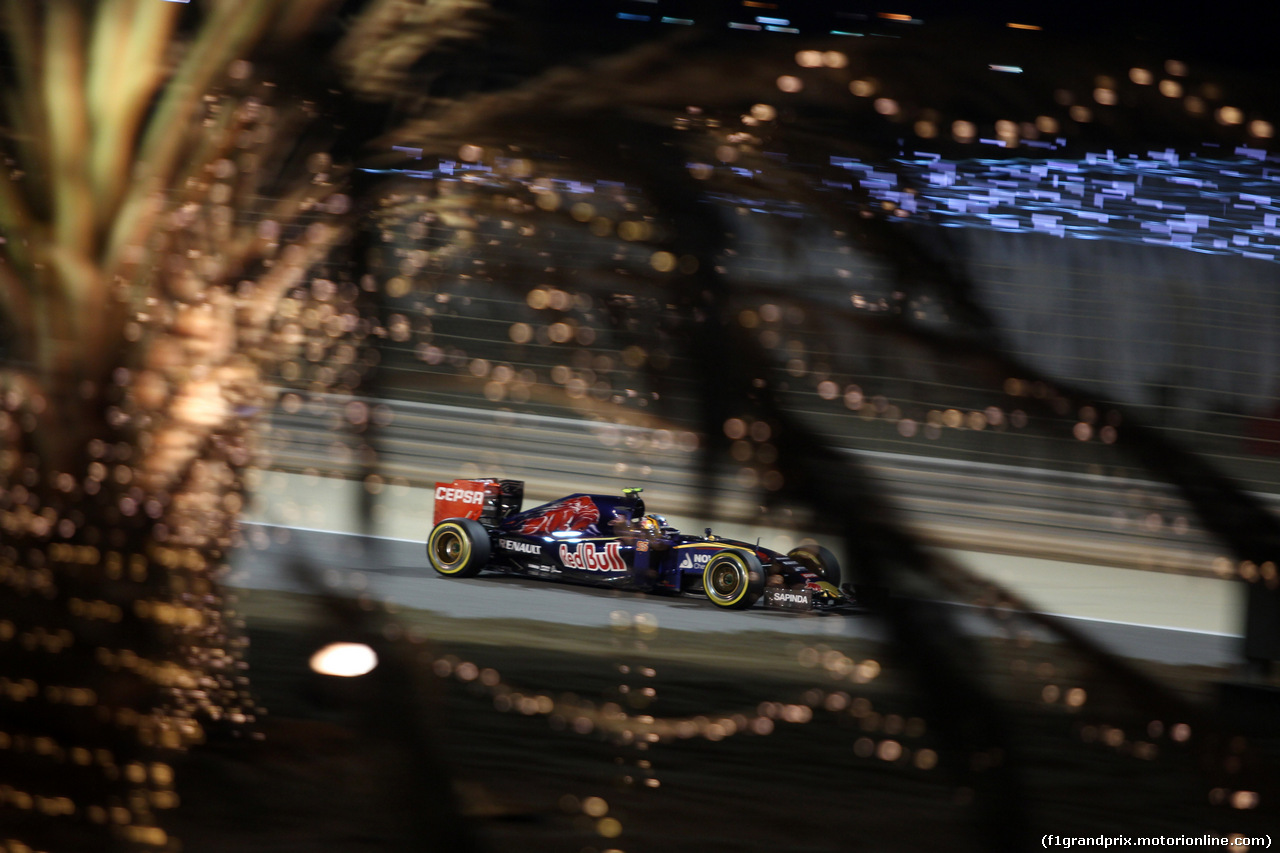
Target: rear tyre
[(458, 548), (733, 580), (818, 560)]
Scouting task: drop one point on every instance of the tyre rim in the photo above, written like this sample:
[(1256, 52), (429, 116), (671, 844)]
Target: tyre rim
[(724, 580), (449, 549)]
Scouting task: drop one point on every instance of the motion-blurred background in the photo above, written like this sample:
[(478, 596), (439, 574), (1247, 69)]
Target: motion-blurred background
[(983, 302)]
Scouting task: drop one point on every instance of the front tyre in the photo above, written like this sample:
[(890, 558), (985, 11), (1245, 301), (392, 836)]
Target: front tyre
[(458, 548), (733, 580), (818, 560)]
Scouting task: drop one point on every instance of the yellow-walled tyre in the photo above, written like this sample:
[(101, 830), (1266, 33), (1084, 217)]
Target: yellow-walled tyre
[(733, 580), (458, 548), (818, 560)]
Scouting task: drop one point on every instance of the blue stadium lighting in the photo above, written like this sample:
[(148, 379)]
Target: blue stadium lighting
[(1007, 69), (627, 16), (1234, 210), (782, 29), (684, 21), (780, 22)]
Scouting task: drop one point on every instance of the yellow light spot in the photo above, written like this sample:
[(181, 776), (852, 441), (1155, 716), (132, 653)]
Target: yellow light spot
[(1230, 115), (162, 774), (1244, 800), (150, 835), (164, 799), (632, 230), (663, 261), (595, 807), (538, 299), (1013, 26), (344, 659), (790, 84), (397, 287), (763, 112), (609, 827), (866, 671), (889, 750)]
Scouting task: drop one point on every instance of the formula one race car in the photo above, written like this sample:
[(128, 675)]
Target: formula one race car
[(610, 541)]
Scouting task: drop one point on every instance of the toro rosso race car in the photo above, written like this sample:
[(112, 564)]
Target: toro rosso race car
[(610, 541)]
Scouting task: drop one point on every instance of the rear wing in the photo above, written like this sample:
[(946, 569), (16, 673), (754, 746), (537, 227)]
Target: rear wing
[(487, 501)]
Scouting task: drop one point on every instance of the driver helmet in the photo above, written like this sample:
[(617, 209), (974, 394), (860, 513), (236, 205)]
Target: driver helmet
[(653, 524)]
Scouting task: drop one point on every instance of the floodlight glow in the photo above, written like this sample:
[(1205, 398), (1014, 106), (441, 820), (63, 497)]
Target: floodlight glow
[(344, 659)]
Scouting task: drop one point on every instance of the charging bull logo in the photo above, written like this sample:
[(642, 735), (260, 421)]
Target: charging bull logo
[(586, 556), (569, 514)]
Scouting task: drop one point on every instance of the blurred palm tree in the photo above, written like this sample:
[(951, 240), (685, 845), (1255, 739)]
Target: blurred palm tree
[(168, 200)]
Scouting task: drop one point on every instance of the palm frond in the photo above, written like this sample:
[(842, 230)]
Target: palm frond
[(64, 94), (389, 37), (122, 81), (225, 37)]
